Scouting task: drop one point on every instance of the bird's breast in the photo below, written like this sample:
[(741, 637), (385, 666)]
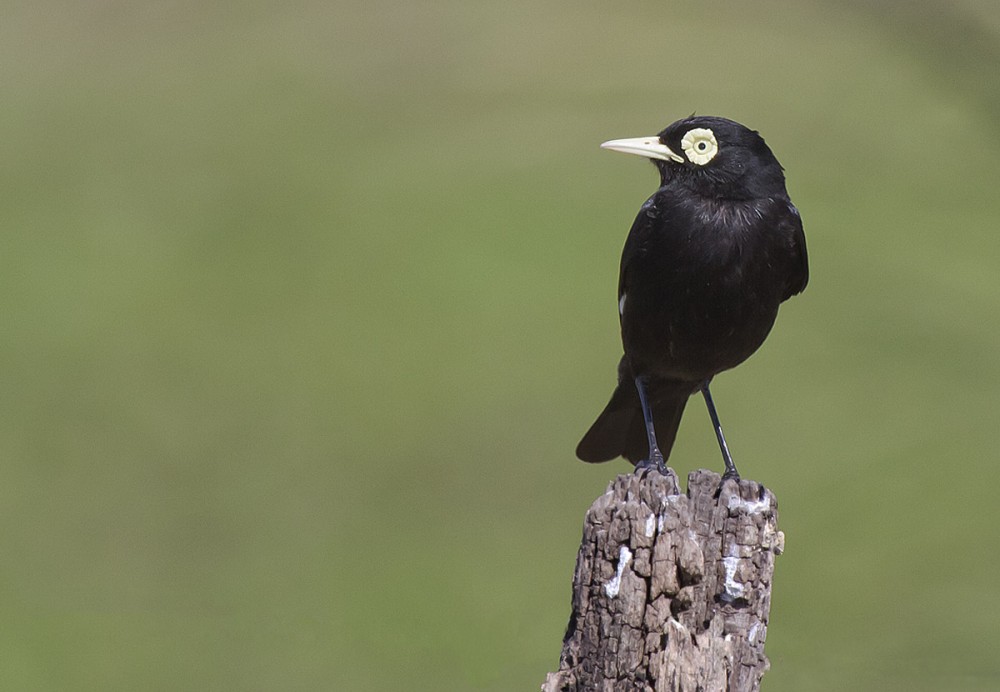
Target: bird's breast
[(700, 296)]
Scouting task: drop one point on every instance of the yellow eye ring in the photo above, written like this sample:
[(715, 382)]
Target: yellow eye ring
[(699, 145)]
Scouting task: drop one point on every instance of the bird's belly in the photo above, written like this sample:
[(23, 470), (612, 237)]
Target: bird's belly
[(693, 335)]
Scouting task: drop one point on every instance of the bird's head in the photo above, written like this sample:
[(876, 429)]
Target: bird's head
[(711, 156)]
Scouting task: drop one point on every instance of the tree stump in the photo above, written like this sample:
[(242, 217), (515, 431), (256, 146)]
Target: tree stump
[(672, 591)]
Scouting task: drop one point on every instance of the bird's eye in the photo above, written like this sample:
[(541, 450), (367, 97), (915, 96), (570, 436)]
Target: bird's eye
[(699, 145)]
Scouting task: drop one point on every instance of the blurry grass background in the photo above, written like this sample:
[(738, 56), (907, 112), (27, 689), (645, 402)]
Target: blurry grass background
[(306, 305)]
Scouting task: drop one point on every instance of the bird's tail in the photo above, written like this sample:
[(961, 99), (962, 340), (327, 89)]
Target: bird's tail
[(620, 429)]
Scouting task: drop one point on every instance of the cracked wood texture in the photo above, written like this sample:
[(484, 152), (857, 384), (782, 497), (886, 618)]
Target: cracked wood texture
[(672, 591)]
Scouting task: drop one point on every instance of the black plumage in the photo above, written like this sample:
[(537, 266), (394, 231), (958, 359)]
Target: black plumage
[(710, 257)]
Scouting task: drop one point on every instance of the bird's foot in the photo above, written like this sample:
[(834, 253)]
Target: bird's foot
[(655, 462), (731, 474)]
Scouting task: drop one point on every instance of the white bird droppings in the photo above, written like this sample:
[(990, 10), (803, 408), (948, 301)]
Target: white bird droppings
[(615, 584), (751, 506), (650, 525), (733, 589)]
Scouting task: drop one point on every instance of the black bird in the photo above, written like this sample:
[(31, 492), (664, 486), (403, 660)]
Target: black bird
[(709, 258)]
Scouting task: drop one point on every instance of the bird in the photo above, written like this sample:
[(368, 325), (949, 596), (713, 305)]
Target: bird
[(709, 258)]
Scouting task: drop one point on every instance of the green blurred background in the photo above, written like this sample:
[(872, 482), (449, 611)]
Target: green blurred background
[(306, 305)]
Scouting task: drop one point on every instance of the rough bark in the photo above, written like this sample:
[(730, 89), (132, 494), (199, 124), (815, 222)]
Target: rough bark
[(672, 591)]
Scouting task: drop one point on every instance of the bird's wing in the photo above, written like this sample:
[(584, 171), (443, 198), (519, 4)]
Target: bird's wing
[(791, 228), (635, 245)]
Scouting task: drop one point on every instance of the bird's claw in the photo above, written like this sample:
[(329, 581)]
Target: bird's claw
[(655, 462), (731, 474)]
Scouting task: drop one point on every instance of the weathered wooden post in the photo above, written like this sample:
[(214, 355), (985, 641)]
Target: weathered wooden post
[(671, 591)]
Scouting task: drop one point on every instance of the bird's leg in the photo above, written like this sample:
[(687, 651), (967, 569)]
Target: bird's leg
[(655, 459), (731, 471)]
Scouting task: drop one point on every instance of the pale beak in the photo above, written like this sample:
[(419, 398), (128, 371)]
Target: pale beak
[(650, 147)]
